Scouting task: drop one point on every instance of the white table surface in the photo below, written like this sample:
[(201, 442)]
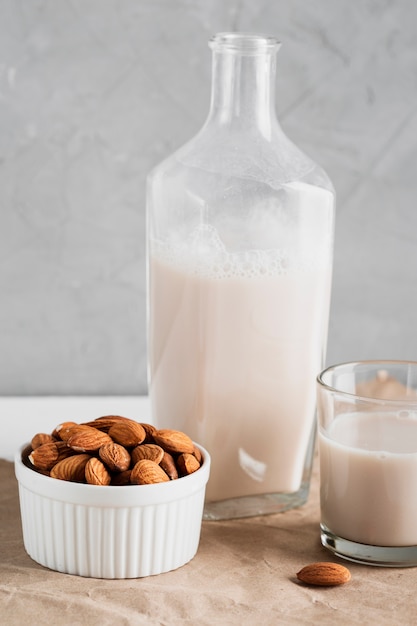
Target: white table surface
[(22, 417)]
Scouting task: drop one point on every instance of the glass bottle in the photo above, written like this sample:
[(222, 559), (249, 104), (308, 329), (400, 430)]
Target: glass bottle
[(240, 247)]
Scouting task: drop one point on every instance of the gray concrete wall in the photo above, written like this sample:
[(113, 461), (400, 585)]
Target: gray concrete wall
[(94, 93)]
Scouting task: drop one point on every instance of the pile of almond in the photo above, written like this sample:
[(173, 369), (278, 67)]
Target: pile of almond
[(113, 450)]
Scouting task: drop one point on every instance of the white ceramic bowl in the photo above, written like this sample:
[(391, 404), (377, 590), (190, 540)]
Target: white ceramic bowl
[(111, 532)]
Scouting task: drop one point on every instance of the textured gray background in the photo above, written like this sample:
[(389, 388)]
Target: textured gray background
[(94, 93)]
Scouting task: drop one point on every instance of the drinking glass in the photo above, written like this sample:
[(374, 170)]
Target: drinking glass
[(367, 415)]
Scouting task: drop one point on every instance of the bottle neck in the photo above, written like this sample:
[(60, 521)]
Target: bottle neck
[(243, 83)]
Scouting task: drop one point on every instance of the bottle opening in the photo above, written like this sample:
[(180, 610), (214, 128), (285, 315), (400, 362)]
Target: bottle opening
[(246, 43)]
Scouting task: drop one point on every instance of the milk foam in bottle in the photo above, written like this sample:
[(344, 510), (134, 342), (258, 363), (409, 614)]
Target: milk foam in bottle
[(240, 247)]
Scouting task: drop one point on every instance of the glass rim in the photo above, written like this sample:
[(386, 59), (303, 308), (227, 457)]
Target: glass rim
[(244, 42), (371, 362)]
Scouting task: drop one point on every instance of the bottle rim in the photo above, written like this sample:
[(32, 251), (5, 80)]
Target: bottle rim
[(244, 42)]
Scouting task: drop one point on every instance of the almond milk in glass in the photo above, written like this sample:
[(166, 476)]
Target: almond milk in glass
[(368, 461), (240, 243)]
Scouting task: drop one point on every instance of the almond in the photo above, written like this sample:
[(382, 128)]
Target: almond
[(44, 457), (27, 451), (150, 431), (324, 574), (67, 429), (55, 432), (147, 472), (198, 454), (40, 438), (106, 422), (88, 439), (174, 441), (187, 464), (169, 466), (115, 457), (72, 468), (121, 478), (128, 433), (63, 450), (96, 472), (147, 451)]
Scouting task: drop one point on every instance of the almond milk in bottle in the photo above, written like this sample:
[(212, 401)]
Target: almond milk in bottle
[(240, 241)]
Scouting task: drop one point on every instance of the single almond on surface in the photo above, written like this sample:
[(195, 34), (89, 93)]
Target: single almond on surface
[(147, 472), (96, 472), (128, 433), (169, 466), (150, 451), (115, 457), (88, 439), (324, 574), (187, 464), (174, 441), (44, 457), (72, 468)]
